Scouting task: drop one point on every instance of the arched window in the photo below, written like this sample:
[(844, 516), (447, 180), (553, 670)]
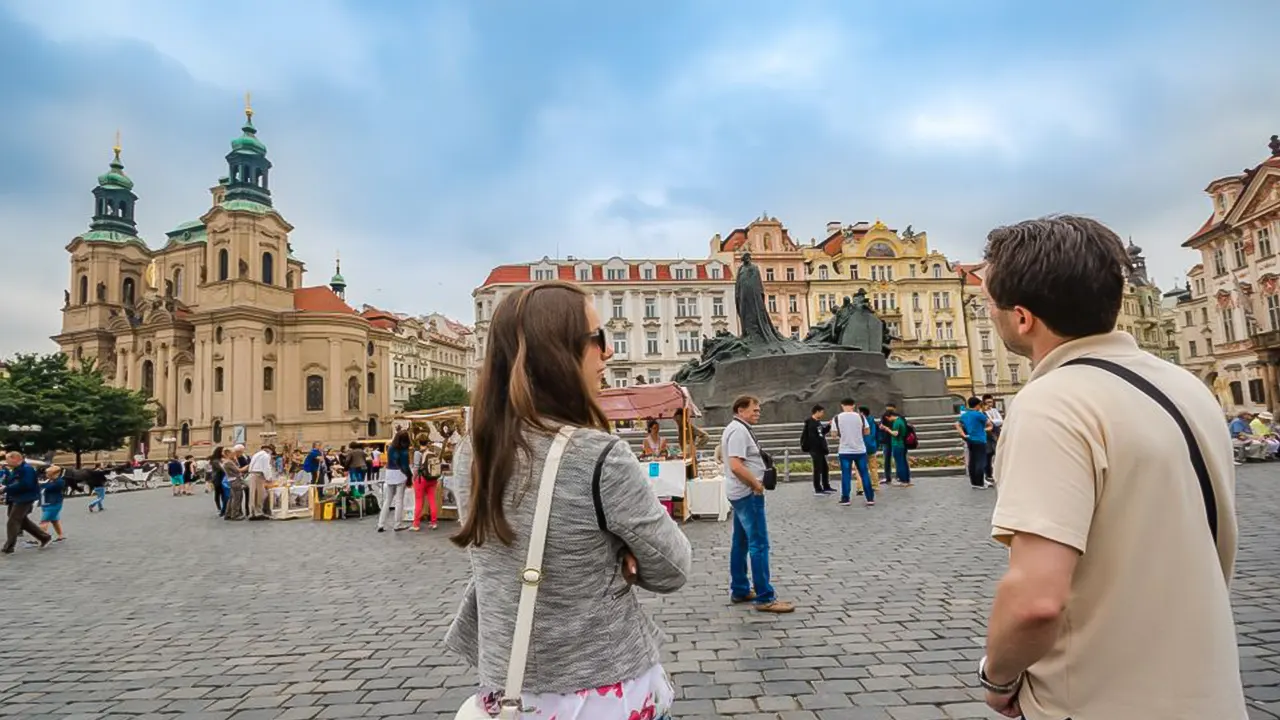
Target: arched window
[(217, 379), (84, 289), (370, 348), (353, 393), (184, 435), (369, 383), (217, 431), (315, 393), (257, 177), (148, 378), (268, 268), (950, 366), (186, 386), (111, 208), (126, 292), (177, 283), (268, 378), (937, 270), (288, 280), (224, 264), (373, 427)]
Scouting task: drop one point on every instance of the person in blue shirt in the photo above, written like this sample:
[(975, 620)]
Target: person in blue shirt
[(311, 465), (174, 469), (973, 426), (51, 492), (21, 490)]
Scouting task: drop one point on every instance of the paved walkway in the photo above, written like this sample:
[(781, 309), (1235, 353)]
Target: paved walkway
[(155, 608)]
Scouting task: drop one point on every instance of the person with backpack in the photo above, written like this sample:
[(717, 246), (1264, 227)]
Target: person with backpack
[(813, 440), (425, 482), (897, 435)]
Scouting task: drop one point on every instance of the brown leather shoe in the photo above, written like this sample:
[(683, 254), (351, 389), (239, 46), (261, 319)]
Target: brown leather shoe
[(777, 606), (738, 601)]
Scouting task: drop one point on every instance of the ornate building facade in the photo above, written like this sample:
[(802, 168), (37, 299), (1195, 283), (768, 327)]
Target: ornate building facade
[(915, 290), (656, 312), (1143, 313), (782, 268), (216, 325), (1241, 272), (425, 346)]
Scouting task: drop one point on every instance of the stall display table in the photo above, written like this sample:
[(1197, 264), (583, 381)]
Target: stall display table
[(289, 501), (705, 497), (666, 477)]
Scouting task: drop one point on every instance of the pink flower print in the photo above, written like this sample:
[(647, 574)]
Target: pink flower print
[(646, 711), (615, 688)]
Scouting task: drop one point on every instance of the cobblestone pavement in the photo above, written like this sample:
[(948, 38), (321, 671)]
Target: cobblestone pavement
[(157, 609)]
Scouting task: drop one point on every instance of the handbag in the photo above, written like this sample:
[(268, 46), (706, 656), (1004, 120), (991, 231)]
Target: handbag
[(770, 477), (1193, 447), (530, 577)]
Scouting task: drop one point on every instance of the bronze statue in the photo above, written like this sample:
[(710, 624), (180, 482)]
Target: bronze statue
[(854, 325), (753, 315)]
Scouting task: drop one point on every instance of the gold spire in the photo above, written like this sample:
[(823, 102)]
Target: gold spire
[(116, 148), (248, 105)]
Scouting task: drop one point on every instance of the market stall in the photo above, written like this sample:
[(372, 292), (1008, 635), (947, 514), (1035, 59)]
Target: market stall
[(674, 475), (443, 428)]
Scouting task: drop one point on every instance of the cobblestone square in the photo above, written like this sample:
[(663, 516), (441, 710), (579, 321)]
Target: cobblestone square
[(156, 608)]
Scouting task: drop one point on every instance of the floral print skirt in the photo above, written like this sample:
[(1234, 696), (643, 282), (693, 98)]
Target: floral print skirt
[(648, 697)]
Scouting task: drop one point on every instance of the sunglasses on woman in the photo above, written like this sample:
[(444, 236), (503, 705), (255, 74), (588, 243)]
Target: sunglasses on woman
[(598, 337)]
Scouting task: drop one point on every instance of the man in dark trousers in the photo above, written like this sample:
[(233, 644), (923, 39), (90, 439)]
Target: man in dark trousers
[(813, 440), (21, 490)]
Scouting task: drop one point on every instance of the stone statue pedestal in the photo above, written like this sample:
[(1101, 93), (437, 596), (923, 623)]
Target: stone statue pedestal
[(790, 385)]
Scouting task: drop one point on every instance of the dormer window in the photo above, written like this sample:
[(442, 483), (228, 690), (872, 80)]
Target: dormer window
[(542, 273), (1222, 202), (647, 271), (715, 271), (583, 273)]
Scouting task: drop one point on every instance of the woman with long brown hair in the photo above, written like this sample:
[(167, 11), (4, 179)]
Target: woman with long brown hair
[(597, 653)]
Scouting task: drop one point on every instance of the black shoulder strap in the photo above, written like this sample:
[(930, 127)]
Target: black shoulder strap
[(595, 483), (1193, 447)]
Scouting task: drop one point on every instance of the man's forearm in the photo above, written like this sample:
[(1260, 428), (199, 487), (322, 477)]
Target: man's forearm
[(1017, 635)]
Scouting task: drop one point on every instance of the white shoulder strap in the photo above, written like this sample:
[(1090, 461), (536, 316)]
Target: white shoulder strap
[(532, 575)]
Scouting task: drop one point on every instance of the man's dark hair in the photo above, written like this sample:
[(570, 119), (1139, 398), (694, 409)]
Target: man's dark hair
[(847, 402), (816, 409), (1068, 271), (974, 402), (864, 410), (743, 402), (987, 397)]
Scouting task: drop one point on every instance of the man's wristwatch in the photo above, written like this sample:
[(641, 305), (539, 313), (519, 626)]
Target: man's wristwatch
[(1006, 689)]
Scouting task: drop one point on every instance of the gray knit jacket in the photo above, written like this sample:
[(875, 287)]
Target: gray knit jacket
[(588, 628)]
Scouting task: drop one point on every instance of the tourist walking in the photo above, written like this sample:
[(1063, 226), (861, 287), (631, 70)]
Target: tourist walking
[(745, 465), (259, 471), (396, 476), (852, 429), (174, 470), (217, 479), (813, 440), (871, 440), (21, 490), (234, 480), (1116, 499), (52, 491), (538, 437), (425, 482), (99, 490), (973, 425), (357, 466)]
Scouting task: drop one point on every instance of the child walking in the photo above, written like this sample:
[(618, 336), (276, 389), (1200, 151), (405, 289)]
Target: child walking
[(51, 492)]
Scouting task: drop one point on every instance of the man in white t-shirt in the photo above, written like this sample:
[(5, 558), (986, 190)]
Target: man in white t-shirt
[(744, 468), (852, 428)]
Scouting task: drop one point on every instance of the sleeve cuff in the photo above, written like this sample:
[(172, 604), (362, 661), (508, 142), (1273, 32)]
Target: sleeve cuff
[(1005, 526)]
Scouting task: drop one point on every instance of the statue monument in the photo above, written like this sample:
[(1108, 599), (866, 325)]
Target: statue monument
[(847, 355)]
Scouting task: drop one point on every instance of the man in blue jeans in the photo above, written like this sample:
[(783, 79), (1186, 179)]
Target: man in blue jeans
[(973, 426), (852, 429), (744, 469)]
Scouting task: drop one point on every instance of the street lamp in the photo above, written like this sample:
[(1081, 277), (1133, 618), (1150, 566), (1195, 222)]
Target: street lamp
[(172, 442), (24, 430)]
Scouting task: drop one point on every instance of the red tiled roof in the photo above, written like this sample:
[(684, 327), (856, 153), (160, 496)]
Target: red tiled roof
[(734, 240), (319, 299), (966, 271), (1206, 227), (567, 271)]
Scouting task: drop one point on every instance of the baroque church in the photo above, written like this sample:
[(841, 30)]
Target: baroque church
[(217, 326)]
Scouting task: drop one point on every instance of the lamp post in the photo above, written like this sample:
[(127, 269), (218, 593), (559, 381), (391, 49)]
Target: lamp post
[(172, 442), (24, 433)]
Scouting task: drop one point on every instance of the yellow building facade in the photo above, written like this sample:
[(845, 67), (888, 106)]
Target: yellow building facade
[(915, 290)]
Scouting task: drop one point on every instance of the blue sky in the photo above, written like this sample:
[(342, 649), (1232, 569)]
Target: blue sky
[(430, 141)]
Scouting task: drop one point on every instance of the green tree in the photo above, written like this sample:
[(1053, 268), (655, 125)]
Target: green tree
[(77, 410), (437, 392)]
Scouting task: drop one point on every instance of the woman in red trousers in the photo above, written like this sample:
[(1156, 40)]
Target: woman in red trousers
[(424, 485)]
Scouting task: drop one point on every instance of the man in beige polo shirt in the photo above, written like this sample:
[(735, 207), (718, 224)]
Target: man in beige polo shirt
[(1116, 603)]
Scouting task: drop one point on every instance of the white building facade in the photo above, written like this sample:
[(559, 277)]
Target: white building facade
[(424, 347), (656, 312)]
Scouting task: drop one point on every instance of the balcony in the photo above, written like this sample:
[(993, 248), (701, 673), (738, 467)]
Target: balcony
[(1269, 340)]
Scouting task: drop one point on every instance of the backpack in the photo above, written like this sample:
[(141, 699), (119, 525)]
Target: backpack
[(805, 444), (911, 442)]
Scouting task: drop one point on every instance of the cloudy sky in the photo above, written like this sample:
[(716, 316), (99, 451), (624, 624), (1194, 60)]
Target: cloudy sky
[(430, 141)]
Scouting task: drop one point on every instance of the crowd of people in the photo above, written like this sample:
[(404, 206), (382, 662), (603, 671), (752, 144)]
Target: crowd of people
[(1254, 437)]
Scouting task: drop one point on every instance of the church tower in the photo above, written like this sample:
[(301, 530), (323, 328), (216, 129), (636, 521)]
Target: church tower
[(337, 283), (114, 201), (248, 169)]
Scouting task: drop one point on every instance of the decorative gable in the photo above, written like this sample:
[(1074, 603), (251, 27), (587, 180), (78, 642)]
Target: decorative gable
[(617, 270), (684, 270), (648, 271), (545, 270), (582, 272), (1262, 195)]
